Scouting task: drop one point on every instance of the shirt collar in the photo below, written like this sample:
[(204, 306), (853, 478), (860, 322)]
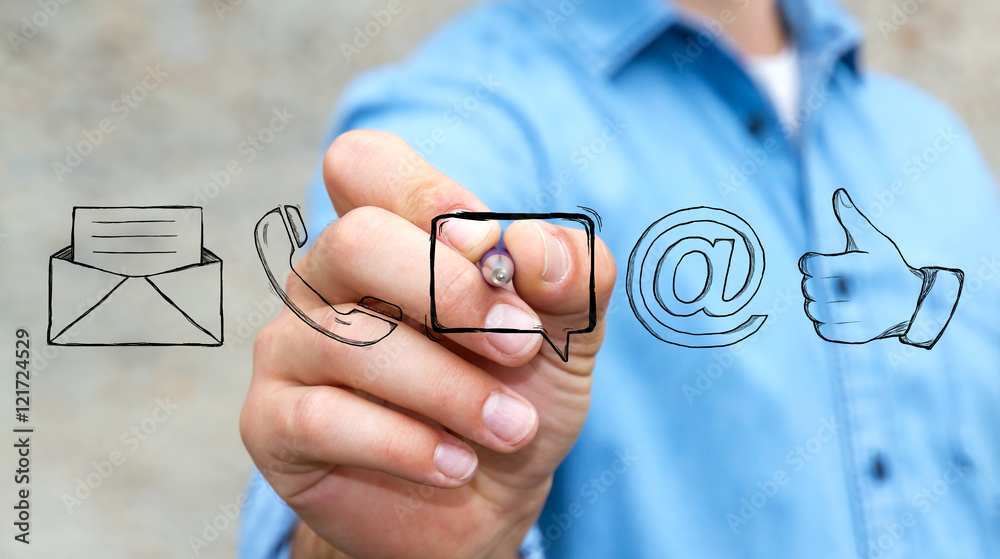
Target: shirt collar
[(605, 35)]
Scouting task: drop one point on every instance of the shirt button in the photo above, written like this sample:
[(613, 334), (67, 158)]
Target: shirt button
[(879, 470), (962, 461), (756, 125)]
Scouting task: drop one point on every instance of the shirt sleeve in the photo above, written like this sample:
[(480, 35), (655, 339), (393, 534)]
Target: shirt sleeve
[(938, 300), (532, 547), (266, 522)]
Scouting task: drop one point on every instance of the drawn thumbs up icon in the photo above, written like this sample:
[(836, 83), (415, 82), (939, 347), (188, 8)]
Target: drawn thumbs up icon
[(870, 292)]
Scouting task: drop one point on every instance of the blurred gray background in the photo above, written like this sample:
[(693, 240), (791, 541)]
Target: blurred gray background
[(224, 65)]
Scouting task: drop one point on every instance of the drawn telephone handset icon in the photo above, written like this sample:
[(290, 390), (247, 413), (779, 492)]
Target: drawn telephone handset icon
[(278, 235)]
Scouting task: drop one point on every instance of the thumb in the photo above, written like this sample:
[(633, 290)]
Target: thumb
[(566, 281), (862, 236)]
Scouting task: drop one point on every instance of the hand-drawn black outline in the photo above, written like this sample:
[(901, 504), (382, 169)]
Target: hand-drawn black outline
[(583, 219), (295, 229), (207, 258), (597, 216), (427, 332), (634, 288), (928, 276)]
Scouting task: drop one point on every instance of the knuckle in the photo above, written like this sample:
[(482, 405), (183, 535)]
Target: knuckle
[(350, 233), (344, 360), (322, 248), (821, 331), (422, 193), (249, 414), (393, 444), (826, 331), (332, 238), (311, 262), (363, 221), (808, 288), (264, 346), (811, 311), (347, 150), (413, 185), (364, 369), (292, 284), (450, 386), (299, 422), (804, 263), (454, 287)]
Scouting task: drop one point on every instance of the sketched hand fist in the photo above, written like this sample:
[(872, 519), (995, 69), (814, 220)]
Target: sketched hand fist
[(869, 291)]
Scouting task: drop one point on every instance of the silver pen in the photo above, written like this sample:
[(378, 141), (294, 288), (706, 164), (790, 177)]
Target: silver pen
[(497, 267)]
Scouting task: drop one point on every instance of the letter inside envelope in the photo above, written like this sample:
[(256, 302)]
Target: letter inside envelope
[(135, 276)]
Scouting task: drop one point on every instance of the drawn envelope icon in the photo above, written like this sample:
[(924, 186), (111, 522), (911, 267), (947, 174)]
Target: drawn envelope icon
[(135, 276)]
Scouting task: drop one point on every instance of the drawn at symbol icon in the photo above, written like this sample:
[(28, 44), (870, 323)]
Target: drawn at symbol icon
[(690, 275)]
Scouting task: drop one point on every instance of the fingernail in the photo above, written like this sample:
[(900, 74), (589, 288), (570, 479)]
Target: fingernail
[(556, 256), (454, 461), (465, 234), (509, 317), (509, 419), (845, 200)]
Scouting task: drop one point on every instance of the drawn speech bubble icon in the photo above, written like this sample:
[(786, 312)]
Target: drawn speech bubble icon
[(558, 340), (711, 249)]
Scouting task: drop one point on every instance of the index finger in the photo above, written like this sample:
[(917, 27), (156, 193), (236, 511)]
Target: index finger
[(375, 168)]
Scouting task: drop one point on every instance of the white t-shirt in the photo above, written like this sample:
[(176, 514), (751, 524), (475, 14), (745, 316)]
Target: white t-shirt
[(778, 74)]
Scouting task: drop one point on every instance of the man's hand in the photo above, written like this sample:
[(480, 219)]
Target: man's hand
[(413, 448)]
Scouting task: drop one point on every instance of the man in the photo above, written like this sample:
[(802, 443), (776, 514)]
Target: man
[(832, 432)]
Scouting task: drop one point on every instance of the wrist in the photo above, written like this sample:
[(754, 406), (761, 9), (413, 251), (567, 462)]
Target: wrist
[(307, 545), (509, 546), (511, 538), (513, 527)]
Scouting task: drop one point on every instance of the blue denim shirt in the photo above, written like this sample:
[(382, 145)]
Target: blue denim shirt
[(784, 445)]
